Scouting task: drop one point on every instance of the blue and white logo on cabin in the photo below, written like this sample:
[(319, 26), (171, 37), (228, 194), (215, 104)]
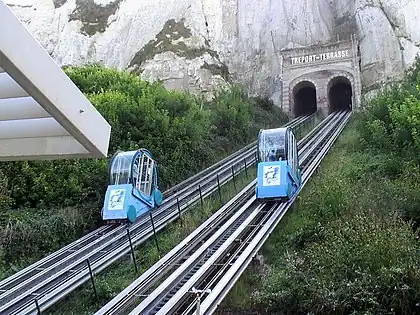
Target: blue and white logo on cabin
[(271, 175), (116, 199)]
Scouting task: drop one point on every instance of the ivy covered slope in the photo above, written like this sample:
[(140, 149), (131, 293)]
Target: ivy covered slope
[(46, 204), (351, 245)]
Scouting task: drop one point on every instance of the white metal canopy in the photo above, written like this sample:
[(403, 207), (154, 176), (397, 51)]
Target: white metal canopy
[(43, 115)]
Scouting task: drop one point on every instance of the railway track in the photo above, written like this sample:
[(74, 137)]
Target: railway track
[(221, 285), (203, 250), (43, 283)]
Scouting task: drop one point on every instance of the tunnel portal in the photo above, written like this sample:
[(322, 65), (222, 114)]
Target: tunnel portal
[(340, 94), (322, 78), (304, 96)]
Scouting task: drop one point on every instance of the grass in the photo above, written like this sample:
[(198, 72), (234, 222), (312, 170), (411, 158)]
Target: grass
[(344, 247), (118, 276), (27, 236)]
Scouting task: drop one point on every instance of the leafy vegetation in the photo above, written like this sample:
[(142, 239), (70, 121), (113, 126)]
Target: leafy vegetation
[(350, 246), (46, 204), (392, 119)]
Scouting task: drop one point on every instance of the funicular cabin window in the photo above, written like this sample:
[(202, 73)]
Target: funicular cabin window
[(144, 174), (291, 151), (294, 153), (121, 169), (292, 156), (271, 146)]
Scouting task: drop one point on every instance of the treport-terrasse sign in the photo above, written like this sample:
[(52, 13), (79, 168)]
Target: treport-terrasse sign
[(340, 54)]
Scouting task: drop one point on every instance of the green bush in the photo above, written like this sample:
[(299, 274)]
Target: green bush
[(182, 137), (238, 121), (390, 125), (53, 183), (365, 263), (183, 133), (27, 235), (392, 119)]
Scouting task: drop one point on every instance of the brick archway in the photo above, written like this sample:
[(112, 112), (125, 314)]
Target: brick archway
[(340, 92), (320, 79), (297, 84), (304, 97), (342, 73)]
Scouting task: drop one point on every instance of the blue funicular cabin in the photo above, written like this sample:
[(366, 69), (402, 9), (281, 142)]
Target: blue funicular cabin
[(133, 186), (278, 172)]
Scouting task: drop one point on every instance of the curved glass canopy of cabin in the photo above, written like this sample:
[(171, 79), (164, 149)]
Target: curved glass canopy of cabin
[(271, 145)]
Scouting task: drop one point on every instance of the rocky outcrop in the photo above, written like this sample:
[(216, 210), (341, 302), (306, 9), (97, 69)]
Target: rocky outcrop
[(181, 60), (198, 45), (389, 37)]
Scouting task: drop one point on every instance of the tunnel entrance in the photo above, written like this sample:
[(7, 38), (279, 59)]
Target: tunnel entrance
[(340, 94), (304, 97)]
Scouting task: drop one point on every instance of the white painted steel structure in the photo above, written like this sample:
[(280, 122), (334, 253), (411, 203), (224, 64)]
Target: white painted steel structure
[(43, 115)]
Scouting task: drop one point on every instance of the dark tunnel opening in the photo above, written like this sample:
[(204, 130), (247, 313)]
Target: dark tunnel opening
[(340, 94), (304, 96)]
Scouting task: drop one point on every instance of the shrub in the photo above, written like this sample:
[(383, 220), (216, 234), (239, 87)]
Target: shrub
[(365, 262), (392, 119), (28, 234), (390, 125), (182, 137)]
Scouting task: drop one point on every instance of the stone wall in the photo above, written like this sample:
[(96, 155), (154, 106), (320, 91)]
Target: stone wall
[(319, 65)]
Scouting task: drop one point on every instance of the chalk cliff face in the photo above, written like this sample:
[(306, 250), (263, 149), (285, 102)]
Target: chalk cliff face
[(198, 45)]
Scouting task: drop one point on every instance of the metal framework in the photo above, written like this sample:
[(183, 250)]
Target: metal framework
[(43, 115), (145, 167)]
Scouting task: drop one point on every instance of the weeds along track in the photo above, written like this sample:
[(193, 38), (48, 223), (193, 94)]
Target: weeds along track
[(206, 254), (45, 282)]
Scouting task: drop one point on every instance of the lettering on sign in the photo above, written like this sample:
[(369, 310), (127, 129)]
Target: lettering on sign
[(320, 57)]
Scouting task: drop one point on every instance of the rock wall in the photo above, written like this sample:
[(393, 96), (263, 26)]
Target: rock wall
[(199, 45), (389, 37)]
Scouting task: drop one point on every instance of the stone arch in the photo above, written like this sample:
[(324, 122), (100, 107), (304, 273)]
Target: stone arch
[(303, 96), (340, 91), (320, 78)]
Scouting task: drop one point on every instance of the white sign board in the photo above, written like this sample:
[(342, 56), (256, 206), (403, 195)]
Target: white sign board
[(271, 175), (340, 54), (116, 199)]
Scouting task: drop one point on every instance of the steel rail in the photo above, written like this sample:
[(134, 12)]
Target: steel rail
[(225, 283), (125, 298), (210, 273), (140, 286), (105, 249), (207, 278), (188, 302), (218, 243), (173, 287), (254, 215), (280, 209), (35, 277)]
